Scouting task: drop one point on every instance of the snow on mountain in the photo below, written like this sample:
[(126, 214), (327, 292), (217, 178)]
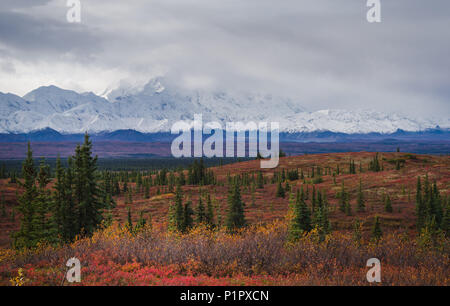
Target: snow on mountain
[(157, 105), (351, 122)]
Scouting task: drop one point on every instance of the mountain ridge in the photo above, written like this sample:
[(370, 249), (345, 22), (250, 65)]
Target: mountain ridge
[(154, 107), (50, 135)]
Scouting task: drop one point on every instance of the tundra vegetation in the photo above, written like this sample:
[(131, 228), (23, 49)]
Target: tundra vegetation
[(314, 220)]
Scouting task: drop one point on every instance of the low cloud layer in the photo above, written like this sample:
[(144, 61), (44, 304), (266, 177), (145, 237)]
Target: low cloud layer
[(322, 53)]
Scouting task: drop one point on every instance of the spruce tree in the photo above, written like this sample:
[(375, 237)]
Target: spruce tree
[(3, 171), (446, 219), (201, 214), (253, 203), (178, 208), (376, 230), (46, 227), (188, 222), (360, 200), (260, 181), (301, 222), (13, 179), (59, 195), (142, 222), (129, 220), (69, 209), (313, 198), (420, 207), (218, 213), (147, 190), (181, 178), (374, 165), (235, 217), (171, 218), (348, 208), (130, 196), (388, 204), (209, 211), (321, 221), (26, 236), (343, 200), (2, 199), (87, 191), (287, 187), (437, 208), (280, 190), (357, 232)]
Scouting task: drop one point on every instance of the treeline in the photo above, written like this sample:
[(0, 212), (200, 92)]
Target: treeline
[(117, 183), (8, 168)]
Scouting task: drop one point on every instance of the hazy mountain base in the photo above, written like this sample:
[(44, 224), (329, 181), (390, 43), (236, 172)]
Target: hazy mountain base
[(50, 135)]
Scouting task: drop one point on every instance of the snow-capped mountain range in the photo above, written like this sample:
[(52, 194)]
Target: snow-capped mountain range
[(157, 105)]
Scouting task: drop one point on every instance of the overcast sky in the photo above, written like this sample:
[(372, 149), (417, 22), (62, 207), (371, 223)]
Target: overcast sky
[(322, 53)]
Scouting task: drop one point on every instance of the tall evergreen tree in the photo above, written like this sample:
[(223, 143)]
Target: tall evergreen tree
[(420, 207), (147, 190), (178, 208), (59, 195), (260, 180), (357, 232), (209, 211), (70, 225), (280, 190), (87, 191), (436, 205), (321, 221), (388, 204), (45, 225), (376, 230), (181, 178), (360, 200), (348, 208), (129, 220), (235, 217), (2, 200), (301, 221), (142, 222), (188, 222), (446, 219), (201, 214), (26, 236), (344, 202)]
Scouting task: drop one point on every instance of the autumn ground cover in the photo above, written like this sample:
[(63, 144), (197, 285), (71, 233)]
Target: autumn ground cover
[(262, 254)]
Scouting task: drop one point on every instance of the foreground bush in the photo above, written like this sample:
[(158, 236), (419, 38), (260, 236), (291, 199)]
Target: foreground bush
[(260, 255)]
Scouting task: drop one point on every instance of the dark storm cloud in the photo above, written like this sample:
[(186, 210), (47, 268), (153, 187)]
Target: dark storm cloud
[(13, 4), (323, 53), (35, 38)]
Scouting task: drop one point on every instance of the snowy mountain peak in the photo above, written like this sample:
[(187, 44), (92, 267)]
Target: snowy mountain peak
[(48, 92)]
